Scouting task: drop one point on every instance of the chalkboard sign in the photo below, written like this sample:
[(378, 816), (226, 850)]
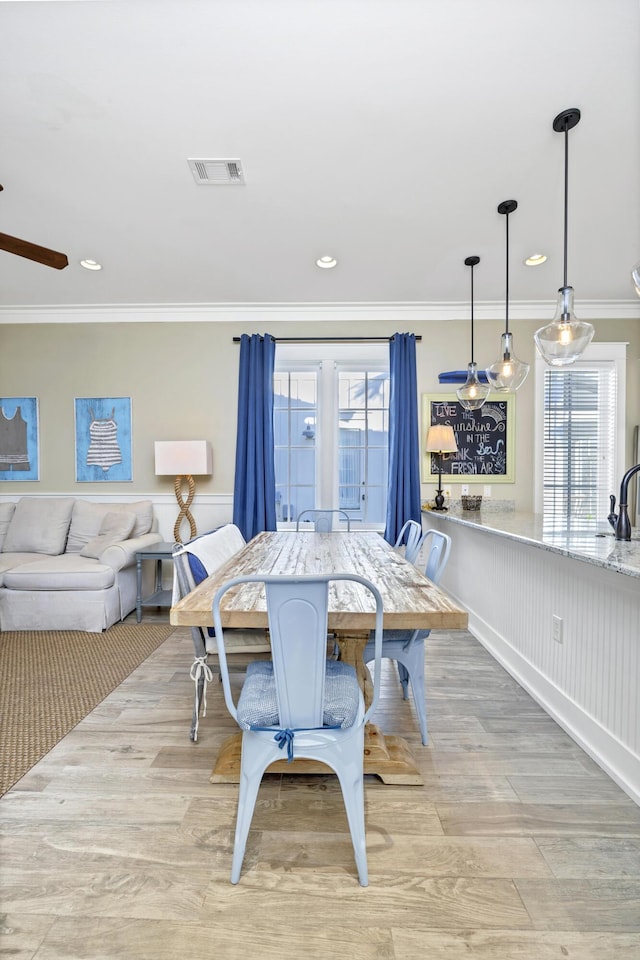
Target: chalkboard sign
[(484, 437)]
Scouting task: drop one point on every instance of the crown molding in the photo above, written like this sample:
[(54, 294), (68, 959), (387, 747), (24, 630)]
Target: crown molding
[(411, 312)]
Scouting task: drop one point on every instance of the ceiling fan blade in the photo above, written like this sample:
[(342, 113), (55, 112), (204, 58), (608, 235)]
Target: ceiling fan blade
[(22, 248)]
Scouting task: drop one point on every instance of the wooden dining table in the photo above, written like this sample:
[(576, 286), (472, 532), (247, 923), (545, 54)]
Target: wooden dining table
[(410, 602)]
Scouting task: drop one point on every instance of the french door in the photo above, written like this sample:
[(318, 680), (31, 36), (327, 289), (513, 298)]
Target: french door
[(331, 426)]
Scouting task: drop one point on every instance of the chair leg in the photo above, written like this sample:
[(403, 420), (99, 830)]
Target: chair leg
[(414, 668), (251, 771), (197, 703), (403, 673), (421, 708), (350, 775)]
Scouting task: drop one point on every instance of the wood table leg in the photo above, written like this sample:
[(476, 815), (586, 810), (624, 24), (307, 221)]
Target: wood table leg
[(386, 756)]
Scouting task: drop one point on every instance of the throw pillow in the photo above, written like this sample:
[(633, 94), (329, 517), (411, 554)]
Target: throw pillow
[(115, 527), (6, 512), (87, 517), (39, 525)]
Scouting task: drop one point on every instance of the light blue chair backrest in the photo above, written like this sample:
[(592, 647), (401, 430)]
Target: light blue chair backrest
[(411, 533), (298, 631), (323, 519), (437, 547)]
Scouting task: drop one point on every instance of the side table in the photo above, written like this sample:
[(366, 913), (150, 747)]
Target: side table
[(159, 597)]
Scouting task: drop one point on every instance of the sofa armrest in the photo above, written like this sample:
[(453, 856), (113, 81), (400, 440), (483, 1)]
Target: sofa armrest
[(123, 554)]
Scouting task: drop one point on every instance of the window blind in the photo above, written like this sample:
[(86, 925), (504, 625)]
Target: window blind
[(579, 445)]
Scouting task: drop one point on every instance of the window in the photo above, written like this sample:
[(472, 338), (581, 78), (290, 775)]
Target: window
[(363, 444), (295, 418), (581, 439), (331, 425)]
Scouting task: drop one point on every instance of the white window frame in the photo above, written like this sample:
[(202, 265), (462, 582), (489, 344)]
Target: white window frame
[(594, 357), (327, 358)]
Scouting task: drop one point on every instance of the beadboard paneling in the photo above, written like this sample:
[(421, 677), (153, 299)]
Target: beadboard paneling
[(590, 681)]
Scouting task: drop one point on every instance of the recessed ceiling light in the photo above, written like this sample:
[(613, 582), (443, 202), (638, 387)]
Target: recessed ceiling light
[(326, 262), (91, 265), (535, 259)]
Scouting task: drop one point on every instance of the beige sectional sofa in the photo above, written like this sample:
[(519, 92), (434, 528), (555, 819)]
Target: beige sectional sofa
[(69, 564)]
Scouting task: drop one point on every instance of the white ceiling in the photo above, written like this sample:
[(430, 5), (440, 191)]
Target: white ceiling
[(382, 132)]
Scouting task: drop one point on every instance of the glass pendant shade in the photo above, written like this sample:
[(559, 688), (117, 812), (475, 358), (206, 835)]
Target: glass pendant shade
[(508, 373), (472, 394), (563, 340)]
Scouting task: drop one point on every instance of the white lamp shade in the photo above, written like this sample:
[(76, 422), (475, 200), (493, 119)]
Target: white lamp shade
[(183, 458), (441, 439)]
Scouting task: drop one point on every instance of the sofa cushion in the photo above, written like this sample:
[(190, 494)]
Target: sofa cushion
[(87, 518), (39, 525), (6, 512), (115, 527), (10, 560), (69, 571)]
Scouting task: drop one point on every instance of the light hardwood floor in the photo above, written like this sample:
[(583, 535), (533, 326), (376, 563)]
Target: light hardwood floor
[(517, 847)]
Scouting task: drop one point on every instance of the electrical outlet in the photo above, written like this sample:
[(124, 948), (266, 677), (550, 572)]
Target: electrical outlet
[(464, 489), (487, 490), (558, 624), (447, 492)]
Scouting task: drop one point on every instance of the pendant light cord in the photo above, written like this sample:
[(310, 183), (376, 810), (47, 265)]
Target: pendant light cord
[(472, 357), (471, 262), (506, 306), (566, 197), (505, 208)]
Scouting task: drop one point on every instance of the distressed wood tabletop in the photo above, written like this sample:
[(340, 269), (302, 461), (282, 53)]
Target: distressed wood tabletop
[(410, 600)]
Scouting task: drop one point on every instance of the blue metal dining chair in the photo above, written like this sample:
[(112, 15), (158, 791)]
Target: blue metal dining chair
[(406, 647), (323, 519), (411, 536), (300, 704)]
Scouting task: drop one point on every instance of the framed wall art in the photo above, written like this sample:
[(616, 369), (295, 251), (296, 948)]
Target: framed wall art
[(485, 439), (103, 439), (19, 439)]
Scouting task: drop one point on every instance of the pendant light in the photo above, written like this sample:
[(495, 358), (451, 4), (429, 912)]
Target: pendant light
[(472, 394), (564, 339), (508, 373)]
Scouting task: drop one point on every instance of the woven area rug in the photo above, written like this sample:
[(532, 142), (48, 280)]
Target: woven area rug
[(50, 680)]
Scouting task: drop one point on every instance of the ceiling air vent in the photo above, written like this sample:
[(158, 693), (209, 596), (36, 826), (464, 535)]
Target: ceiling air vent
[(216, 172)]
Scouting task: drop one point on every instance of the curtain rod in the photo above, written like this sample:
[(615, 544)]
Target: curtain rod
[(330, 339)]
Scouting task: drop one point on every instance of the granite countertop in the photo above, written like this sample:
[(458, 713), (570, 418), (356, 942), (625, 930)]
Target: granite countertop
[(597, 547)]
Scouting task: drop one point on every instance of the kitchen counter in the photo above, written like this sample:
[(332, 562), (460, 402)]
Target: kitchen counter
[(600, 549)]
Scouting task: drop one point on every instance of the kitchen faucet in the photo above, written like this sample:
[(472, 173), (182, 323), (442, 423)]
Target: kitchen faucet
[(620, 521)]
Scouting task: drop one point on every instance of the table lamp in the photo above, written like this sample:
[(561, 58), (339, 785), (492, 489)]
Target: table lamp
[(183, 459), (440, 439)]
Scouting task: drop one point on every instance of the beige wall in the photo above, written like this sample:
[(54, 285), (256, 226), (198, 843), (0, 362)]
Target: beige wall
[(182, 379)]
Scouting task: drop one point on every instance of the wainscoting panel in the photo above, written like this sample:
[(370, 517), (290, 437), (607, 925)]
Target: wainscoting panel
[(589, 682)]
